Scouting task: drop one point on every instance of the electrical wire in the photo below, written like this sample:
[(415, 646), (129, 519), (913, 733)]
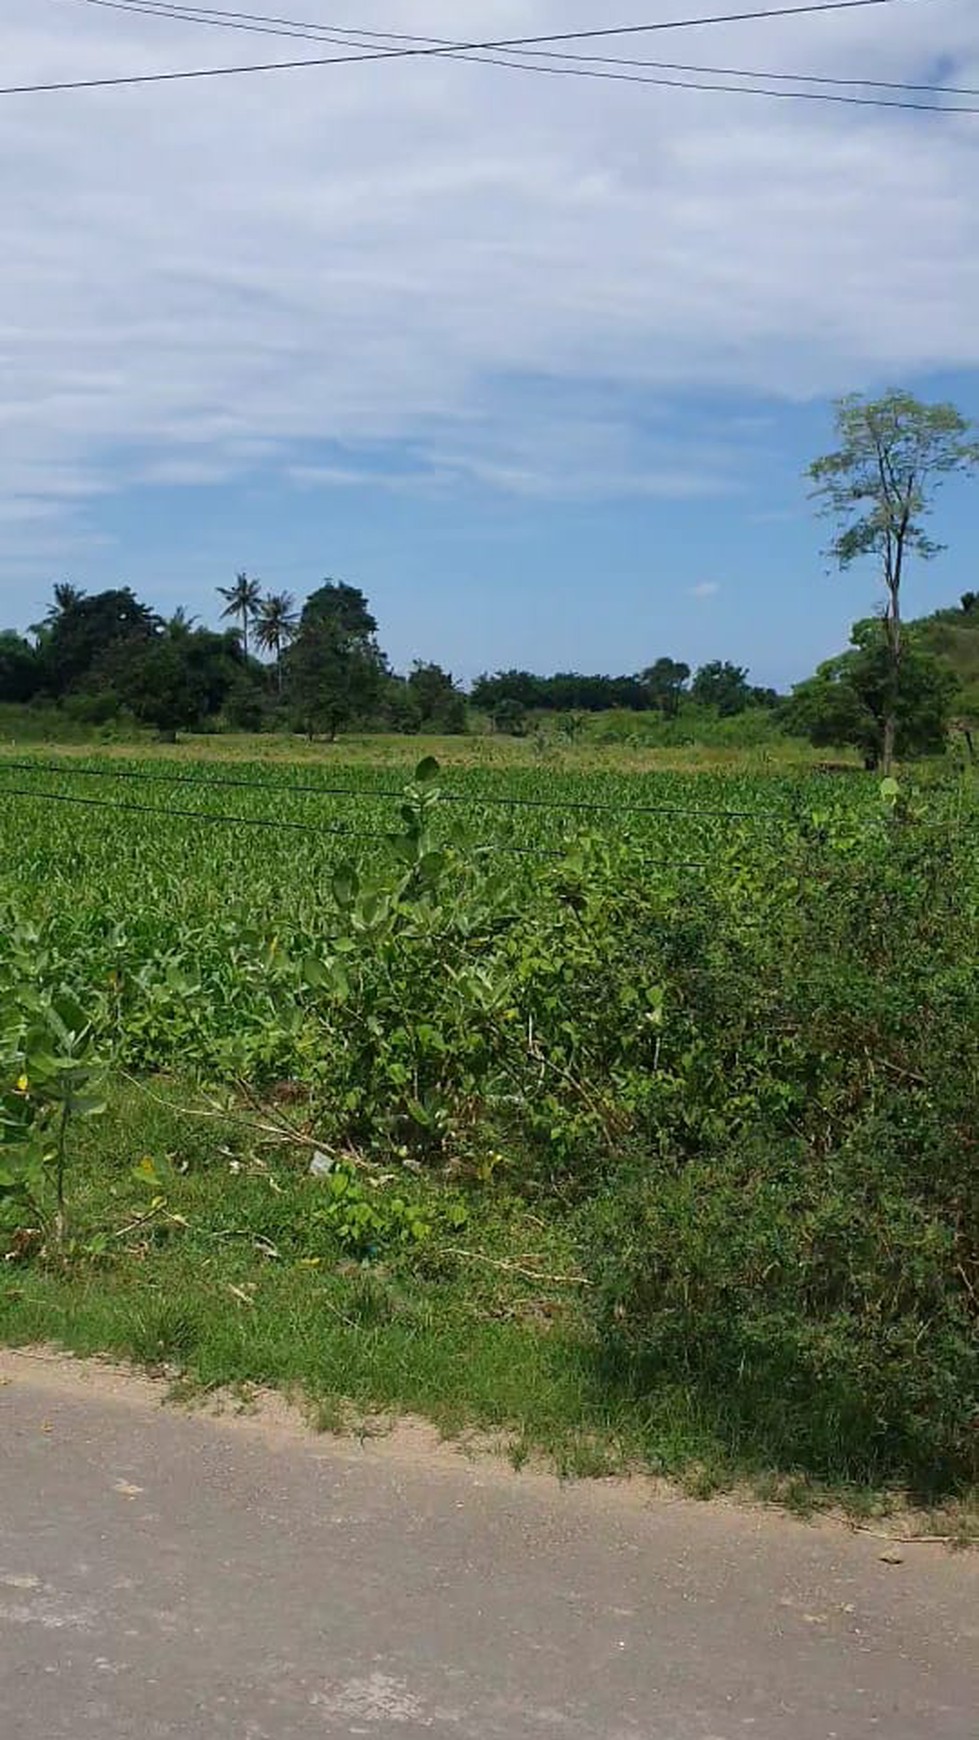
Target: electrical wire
[(487, 800), (261, 23), (387, 794), (486, 850), (493, 799), (464, 49), (58, 797), (617, 30)]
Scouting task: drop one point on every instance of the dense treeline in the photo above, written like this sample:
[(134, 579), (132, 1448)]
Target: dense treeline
[(661, 688), (108, 657)]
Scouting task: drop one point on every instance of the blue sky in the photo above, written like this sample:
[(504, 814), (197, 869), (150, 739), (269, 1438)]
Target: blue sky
[(539, 365), (480, 577)]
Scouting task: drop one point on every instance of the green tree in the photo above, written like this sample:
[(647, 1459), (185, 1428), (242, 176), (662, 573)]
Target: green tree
[(343, 605), (276, 627), (79, 633), (161, 688), (665, 682), (722, 685), (441, 706), (879, 486), (242, 600), (510, 715), (66, 598), (20, 668), (522, 686), (334, 670), (331, 680), (398, 707), (851, 699), (181, 679)]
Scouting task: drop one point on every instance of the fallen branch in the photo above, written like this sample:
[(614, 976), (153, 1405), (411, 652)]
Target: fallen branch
[(905, 1540), (517, 1268), (281, 1132), (141, 1220)]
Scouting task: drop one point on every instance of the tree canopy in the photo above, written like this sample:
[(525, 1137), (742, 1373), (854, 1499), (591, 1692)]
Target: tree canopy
[(722, 685), (878, 487), (20, 667), (76, 637), (334, 669), (848, 699), (242, 600)]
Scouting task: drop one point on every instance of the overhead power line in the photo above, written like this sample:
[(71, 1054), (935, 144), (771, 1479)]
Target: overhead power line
[(60, 797), (124, 807), (285, 788), (473, 49), (120, 807), (269, 24), (599, 31), (70, 768)]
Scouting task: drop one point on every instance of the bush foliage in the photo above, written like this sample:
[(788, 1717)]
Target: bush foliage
[(751, 1079)]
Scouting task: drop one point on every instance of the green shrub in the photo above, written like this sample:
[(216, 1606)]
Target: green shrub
[(801, 1242), (820, 1311)]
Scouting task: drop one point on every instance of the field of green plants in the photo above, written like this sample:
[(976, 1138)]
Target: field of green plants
[(707, 1043)]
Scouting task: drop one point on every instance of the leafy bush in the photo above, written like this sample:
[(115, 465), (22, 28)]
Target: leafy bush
[(367, 1221), (49, 1076), (745, 1054), (801, 1242), (848, 699), (821, 1311)]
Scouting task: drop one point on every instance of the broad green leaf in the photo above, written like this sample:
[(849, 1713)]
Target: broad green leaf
[(345, 885)]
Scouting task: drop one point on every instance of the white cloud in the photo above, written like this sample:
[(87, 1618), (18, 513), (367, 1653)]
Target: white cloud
[(705, 589), (506, 274)]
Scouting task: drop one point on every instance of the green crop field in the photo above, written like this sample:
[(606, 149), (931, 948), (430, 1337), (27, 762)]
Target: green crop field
[(182, 897), (645, 1099)]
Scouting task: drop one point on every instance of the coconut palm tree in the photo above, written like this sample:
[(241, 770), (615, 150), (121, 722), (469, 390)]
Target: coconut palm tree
[(243, 599), (277, 625), (180, 623), (66, 597)]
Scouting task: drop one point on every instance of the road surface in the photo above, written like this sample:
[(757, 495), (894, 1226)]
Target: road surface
[(173, 1577)]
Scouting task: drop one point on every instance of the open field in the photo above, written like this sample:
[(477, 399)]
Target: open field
[(342, 784), (645, 1101), (600, 749)]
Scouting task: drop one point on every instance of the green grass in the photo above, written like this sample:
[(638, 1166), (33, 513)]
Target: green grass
[(600, 750), (230, 1282), (465, 1341), (233, 1282)]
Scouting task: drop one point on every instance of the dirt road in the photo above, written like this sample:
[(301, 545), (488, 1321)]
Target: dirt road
[(165, 1575)]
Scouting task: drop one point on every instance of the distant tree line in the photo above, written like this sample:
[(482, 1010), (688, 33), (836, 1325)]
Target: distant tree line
[(662, 688), (108, 655)]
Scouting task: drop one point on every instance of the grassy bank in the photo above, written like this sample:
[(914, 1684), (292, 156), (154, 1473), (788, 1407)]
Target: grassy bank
[(198, 1247), (202, 1245)]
